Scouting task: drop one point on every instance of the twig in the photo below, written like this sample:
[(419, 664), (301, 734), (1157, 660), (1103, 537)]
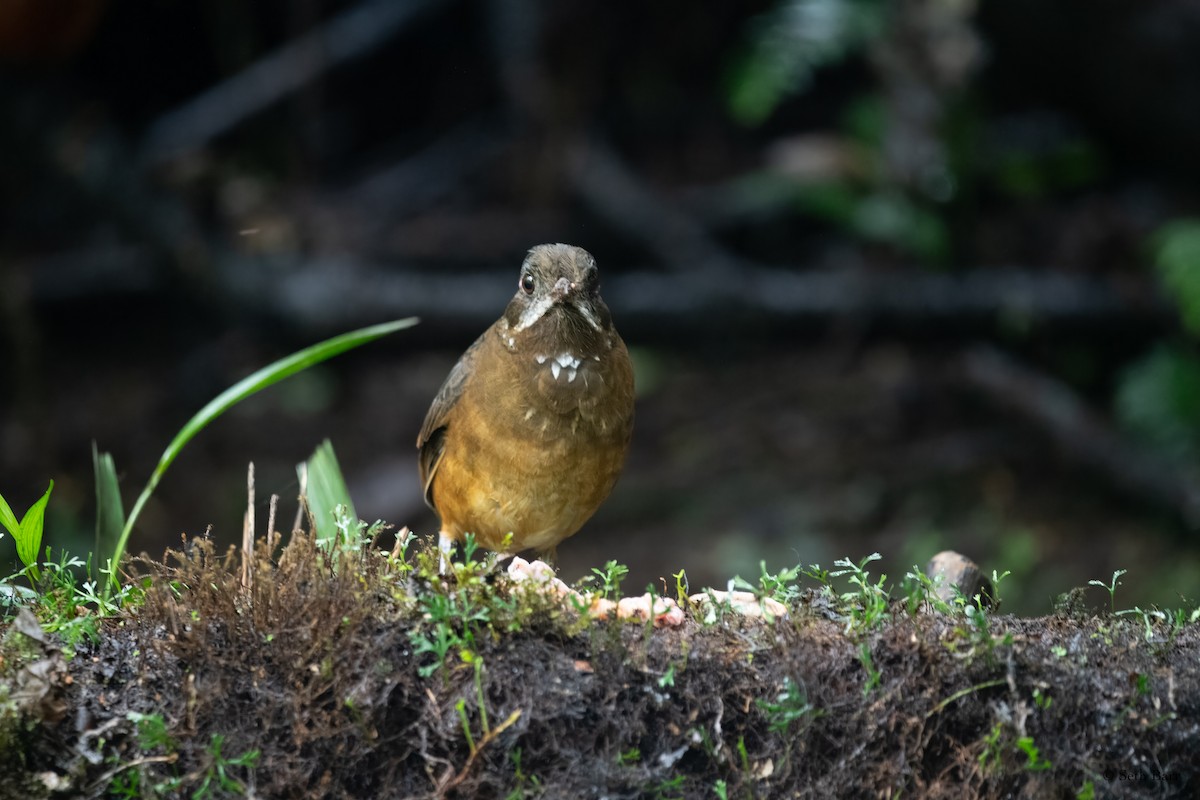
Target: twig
[(487, 737), (340, 290), (415, 182), (964, 692), (614, 191), (104, 779), (272, 536), (351, 34), (302, 473), (248, 535), (514, 33)]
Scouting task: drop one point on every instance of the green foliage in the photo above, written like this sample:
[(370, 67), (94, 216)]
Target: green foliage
[(1158, 399), (989, 758), (462, 608), (783, 585), (867, 606), (609, 578), (110, 511), (152, 732), (27, 533), (1111, 588), (790, 708), (669, 789), (527, 785), (1066, 165), (326, 495), (219, 777), (789, 43), (873, 673), (1033, 758), (881, 214), (248, 386), (1177, 258), (681, 587)]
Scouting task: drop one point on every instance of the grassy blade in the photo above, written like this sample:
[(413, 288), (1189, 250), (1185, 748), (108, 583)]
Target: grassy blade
[(326, 490), (8, 520), (267, 376), (110, 512), (29, 541)]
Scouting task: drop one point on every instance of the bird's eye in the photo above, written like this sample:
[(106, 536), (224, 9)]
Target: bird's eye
[(527, 283)]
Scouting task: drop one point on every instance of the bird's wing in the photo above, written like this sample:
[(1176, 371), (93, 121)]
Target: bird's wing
[(430, 439)]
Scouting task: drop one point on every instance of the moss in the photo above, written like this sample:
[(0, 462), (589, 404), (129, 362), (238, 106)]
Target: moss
[(368, 675)]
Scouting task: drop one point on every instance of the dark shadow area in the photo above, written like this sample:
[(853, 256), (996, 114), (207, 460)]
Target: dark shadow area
[(896, 277)]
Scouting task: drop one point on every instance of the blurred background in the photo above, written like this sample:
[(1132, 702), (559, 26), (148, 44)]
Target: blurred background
[(897, 276)]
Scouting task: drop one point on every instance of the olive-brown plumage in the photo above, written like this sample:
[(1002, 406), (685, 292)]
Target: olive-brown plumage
[(529, 431)]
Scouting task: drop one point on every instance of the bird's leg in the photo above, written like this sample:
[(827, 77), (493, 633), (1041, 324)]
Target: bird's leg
[(445, 547)]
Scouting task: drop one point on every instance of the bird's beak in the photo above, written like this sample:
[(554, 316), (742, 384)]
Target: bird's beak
[(562, 290)]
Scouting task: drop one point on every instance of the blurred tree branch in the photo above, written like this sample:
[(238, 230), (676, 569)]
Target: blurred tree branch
[(352, 34), (1082, 435)]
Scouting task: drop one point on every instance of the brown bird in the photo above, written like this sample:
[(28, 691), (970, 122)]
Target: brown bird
[(529, 431)]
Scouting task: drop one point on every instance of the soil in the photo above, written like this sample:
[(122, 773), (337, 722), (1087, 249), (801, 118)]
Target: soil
[(309, 679)]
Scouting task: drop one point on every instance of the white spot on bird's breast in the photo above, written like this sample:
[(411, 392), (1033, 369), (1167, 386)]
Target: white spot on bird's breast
[(563, 362)]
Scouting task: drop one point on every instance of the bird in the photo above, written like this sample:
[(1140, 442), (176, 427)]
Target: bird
[(529, 432)]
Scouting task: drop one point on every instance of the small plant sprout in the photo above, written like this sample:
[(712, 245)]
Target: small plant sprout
[(869, 602), (921, 591), (27, 532), (873, 673), (681, 587), (989, 758), (996, 578), (790, 707), (1033, 758), (1111, 588), (218, 777), (781, 586), (610, 579), (1148, 618), (668, 677)]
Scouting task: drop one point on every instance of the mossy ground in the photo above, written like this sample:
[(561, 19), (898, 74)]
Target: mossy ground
[(362, 675)]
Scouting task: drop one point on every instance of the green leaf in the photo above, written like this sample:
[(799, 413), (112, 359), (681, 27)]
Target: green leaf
[(789, 43), (1177, 257), (325, 491), (1158, 399), (29, 537), (110, 512), (8, 520), (267, 376)]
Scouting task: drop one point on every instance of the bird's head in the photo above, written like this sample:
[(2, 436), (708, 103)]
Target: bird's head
[(558, 293)]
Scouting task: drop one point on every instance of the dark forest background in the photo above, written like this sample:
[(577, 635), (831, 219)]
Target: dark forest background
[(897, 276)]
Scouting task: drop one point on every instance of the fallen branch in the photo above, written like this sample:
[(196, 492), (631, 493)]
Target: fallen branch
[(1080, 433), (336, 290)]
